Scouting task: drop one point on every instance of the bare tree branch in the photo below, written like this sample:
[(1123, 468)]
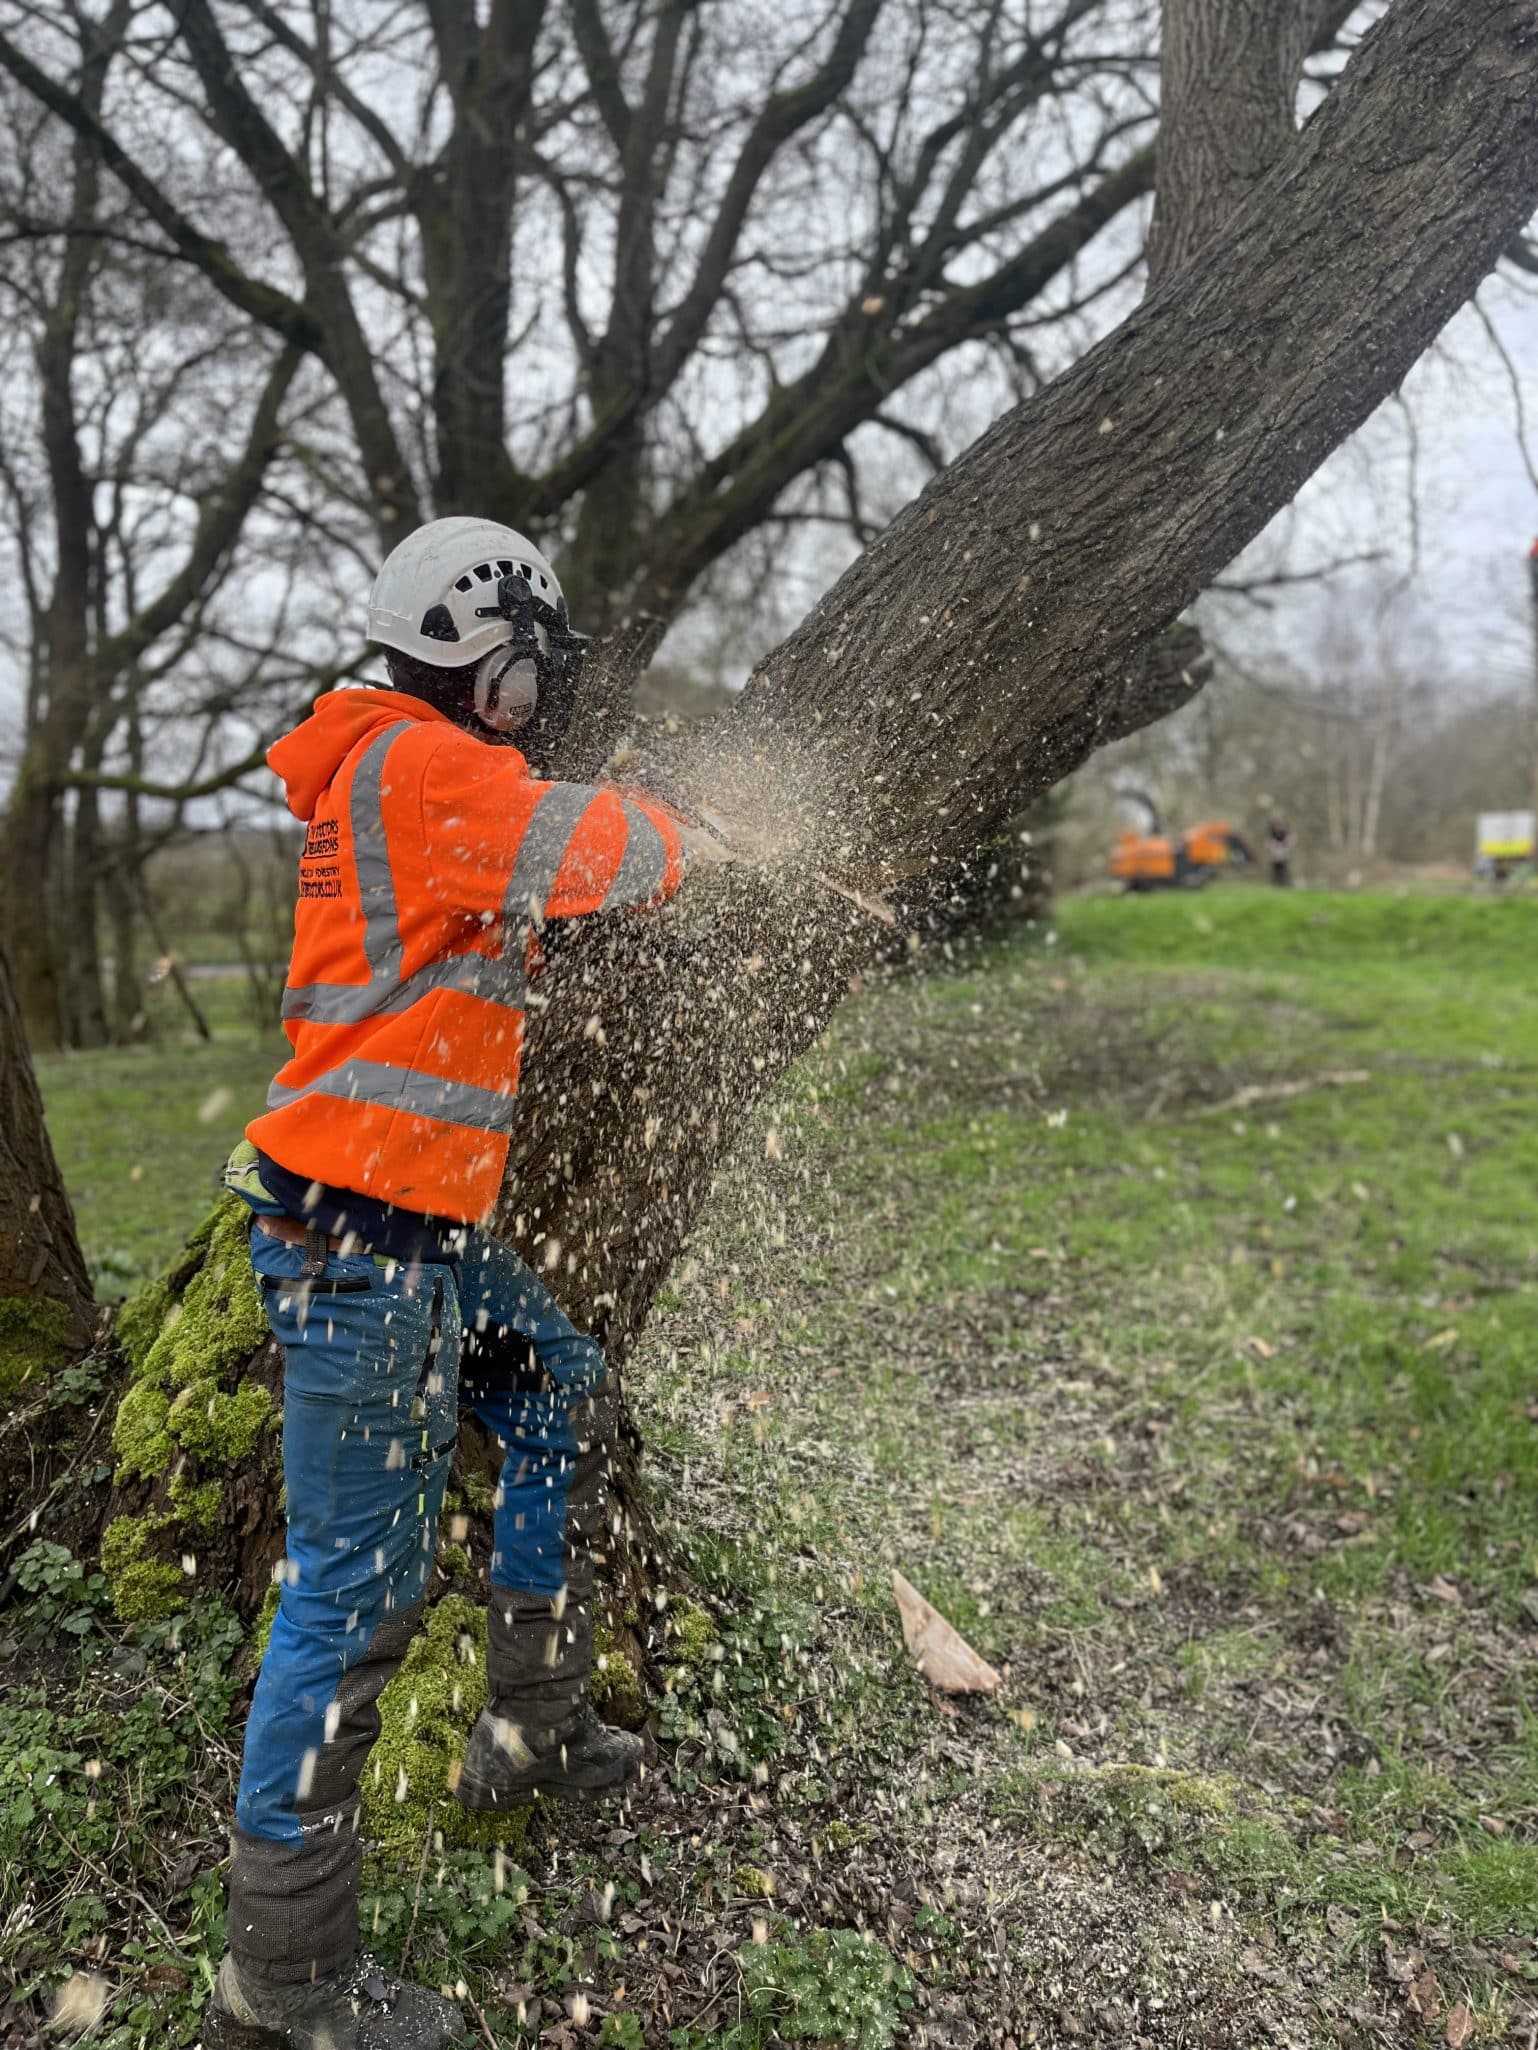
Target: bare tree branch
[(287, 317), (321, 253)]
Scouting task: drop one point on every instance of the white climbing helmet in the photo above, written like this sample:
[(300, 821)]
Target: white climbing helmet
[(436, 596)]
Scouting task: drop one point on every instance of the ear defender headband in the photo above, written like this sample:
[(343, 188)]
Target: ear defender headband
[(541, 660)]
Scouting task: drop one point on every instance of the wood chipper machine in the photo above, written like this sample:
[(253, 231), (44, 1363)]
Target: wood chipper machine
[(1157, 860)]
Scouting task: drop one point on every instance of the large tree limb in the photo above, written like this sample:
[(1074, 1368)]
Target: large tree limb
[(1082, 522), (976, 651), (1228, 92), (602, 69), (467, 213)]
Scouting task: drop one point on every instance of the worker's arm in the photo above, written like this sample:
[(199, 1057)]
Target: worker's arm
[(577, 847), (619, 849)]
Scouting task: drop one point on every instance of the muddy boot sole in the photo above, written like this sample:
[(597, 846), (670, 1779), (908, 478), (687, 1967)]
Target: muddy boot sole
[(367, 2010), (223, 2031)]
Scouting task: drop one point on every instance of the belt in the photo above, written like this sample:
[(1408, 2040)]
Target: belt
[(317, 1243), (295, 1233)]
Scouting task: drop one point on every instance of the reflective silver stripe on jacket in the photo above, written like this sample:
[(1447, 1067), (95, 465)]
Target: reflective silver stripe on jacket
[(382, 944), (349, 1003), (388, 991), (407, 1089), (645, 863), (503, 980), (542, 850)]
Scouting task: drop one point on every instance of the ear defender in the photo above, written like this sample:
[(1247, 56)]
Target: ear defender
[(506, 689)]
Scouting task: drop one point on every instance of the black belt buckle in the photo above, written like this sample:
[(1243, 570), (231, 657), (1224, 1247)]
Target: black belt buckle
[(316, 1253)]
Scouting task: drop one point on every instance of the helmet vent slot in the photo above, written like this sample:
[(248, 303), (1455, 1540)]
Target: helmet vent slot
[(485, 572), (464, 584)]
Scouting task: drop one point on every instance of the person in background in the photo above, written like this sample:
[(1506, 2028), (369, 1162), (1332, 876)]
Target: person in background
[(1280, 841)]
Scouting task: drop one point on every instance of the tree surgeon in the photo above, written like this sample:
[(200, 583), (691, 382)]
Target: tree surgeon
[(435, 856)]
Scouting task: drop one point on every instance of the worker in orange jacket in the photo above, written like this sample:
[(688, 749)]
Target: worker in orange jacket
[(434, 854)]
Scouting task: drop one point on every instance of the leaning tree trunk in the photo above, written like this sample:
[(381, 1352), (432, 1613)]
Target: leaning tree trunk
[(46, 1311), (990, 638), (978, 651)]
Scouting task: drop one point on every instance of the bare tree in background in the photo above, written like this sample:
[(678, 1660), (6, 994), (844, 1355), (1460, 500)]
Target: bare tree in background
[(661, 278), (646, 275), (123, 499)]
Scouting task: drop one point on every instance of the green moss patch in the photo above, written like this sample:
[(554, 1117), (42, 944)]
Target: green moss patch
[(143, 1590), (693, 1632), (177, 1403), (187, 1420), (425, 1716), (142, 1319), (616, 1690), (196, 1507), (33, 1341), (261, 1629)]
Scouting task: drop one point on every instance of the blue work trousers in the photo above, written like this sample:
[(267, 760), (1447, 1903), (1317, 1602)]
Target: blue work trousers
[(377, 1358)]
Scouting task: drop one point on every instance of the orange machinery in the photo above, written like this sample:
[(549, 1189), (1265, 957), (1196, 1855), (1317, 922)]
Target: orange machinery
[(1156, 860)]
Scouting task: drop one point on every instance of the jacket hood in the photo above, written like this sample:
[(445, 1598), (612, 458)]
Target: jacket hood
[(308, 759)]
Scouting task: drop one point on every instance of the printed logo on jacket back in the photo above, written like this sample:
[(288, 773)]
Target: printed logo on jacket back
[(320, 871)]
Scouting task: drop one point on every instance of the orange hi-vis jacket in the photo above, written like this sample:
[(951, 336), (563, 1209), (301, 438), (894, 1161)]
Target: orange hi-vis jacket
[(430, 860)]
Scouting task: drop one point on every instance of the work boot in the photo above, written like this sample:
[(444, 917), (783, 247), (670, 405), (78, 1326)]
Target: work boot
[(361, 2008), (508, 1761)]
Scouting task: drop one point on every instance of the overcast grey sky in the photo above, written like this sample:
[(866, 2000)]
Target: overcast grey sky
[(1459, 542)]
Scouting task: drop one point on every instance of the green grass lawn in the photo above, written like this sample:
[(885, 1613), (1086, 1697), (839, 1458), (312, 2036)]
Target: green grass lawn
[(141, 1132), (1167, 1292), (1160, 1300)]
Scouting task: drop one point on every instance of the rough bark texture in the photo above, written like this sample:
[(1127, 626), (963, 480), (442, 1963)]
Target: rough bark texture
[(44, 1293), (1228, 92)]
